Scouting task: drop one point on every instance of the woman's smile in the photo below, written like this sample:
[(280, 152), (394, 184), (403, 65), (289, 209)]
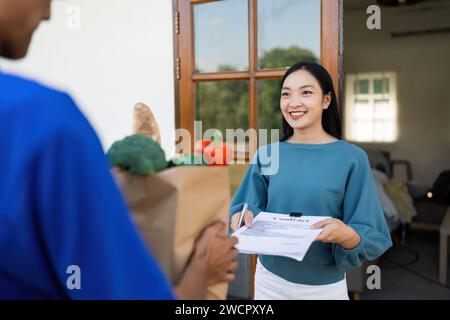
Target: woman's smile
[(295, 115)]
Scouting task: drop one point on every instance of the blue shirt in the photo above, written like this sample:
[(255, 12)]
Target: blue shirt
[(60, 207), (332, 179)]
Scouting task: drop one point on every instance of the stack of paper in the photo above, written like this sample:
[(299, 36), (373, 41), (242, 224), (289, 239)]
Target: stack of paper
[(278, 235)]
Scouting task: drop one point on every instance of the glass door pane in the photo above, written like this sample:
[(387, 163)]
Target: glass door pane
[(288, 31), (222, 105), (221, 36), (270, 116)]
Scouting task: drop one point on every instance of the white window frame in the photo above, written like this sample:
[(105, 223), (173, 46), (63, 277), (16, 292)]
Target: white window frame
[(378, 127)]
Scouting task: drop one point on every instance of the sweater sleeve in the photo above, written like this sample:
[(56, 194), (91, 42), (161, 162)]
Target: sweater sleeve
[(252, 190), (362, 211)]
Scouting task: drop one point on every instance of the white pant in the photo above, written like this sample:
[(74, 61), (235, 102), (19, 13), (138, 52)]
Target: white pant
[(269, 286)]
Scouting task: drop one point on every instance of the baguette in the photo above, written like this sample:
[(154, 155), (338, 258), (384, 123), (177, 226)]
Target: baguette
[(144, 122)]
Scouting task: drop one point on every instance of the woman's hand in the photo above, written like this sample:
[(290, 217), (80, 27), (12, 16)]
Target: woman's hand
[(248, 218), (335, 231)]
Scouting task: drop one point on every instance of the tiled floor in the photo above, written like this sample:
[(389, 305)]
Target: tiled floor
[(416, 281)]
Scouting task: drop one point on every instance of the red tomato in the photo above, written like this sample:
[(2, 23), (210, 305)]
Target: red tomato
[(200, 146), (219, 154)]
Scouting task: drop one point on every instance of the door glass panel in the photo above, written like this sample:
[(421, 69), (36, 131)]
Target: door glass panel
[(221, 36), (270, 116), (222, 105), (288, 32)]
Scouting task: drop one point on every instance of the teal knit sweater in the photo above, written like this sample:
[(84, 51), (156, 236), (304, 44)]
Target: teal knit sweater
[(332, 179)]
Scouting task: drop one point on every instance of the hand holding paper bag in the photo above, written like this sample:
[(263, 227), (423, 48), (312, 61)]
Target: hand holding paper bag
[(171, 210), (172, 204), (212, 263), (218, 253)]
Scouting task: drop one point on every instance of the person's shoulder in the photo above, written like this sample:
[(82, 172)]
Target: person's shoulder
[(269, 148), (44, 110), (18, 89), (266, 150), (10, 80), (353, 149), (354, 153), (25, 95)]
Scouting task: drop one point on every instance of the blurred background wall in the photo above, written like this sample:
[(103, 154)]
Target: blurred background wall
[(421, 63), (109, 55)]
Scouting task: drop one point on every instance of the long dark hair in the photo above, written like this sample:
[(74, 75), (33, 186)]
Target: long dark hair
[(331, 120)]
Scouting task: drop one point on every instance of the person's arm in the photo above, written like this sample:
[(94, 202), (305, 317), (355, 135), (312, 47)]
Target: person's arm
[(368, 235), (252, 190), (82, 219), (213, 261)]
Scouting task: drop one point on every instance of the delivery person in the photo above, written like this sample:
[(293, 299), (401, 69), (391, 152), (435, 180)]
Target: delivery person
[(65, 231)]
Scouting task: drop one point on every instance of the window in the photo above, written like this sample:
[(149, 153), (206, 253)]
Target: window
[(371, 107), (231, 55)]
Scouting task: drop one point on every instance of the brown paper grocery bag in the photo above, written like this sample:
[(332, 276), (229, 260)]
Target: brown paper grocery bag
[(172, 208)]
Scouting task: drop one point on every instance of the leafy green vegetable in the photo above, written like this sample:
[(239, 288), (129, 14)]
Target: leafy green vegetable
[(138, 154)]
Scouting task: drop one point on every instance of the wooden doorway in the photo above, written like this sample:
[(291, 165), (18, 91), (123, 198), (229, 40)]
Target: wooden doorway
[(231, 54)]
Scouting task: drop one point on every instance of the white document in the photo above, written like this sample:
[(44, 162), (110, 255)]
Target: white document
[(278, 235)]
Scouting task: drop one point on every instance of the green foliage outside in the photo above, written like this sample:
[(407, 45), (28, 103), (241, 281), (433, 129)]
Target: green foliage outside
[(225, 104)]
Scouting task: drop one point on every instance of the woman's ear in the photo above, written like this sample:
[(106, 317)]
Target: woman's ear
[(327, 100)]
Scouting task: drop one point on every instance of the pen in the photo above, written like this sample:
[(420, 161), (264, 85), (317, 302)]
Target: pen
[(243, 212)]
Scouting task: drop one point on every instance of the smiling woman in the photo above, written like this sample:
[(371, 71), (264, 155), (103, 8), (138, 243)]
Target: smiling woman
[(309, 105), (319, 175)]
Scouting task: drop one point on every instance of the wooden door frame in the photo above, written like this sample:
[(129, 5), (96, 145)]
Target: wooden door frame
[(331, 57)]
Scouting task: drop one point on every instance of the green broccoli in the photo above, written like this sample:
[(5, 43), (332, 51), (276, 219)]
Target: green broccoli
[(138, 154)]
